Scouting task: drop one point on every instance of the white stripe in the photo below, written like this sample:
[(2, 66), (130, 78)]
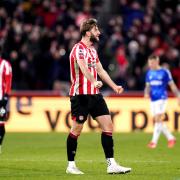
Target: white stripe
[(85, 79), (83, 160), (92, 88), (85, 85), (85, 88), (8, 68), (169, 73), (1, 74), (92, 73), (76, 87)]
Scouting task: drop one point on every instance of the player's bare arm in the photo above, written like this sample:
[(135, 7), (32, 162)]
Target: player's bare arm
[(106, 78), (88, 75), (175, 90), (147, 90)]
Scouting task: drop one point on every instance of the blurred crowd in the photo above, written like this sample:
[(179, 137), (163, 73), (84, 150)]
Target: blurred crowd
[(37, 36)]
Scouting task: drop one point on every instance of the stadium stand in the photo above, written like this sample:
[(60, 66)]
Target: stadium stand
[(37, 36)]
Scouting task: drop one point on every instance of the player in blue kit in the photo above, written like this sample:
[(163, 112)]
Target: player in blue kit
[(157, 80)]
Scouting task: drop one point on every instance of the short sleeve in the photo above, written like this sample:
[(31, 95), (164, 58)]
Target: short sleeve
[(80, 52), (7, 77), (147, 77), (168, 76), (8, 68)]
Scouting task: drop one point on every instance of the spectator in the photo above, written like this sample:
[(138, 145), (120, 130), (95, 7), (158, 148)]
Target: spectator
[(29, 29)]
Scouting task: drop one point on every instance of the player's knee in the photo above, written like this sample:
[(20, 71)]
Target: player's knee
[(108, 127), (159, 117), (76, 130)]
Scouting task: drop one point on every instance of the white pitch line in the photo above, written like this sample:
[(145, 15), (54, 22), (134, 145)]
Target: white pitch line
[(80, 160)]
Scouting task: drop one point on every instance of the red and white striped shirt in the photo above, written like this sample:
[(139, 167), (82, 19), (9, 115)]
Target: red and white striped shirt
[(79, 83), (5, 77)]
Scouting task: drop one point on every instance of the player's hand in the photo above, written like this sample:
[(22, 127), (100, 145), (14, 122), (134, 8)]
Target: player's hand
[(118, 89), (98, 84), (179, 101), (146, 95), (3, 114), (4, 100)]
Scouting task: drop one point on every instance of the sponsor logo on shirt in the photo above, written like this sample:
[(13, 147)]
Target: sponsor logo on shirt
[(92, 65), (156, 83)]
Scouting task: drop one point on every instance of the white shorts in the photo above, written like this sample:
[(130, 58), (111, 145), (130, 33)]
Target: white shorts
[(158, 107)]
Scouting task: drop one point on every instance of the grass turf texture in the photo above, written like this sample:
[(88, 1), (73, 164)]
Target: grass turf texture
[(43, 156)]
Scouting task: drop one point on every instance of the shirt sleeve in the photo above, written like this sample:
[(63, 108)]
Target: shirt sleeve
[(168, 76), (7, 78), (80, 53), (147, 77)]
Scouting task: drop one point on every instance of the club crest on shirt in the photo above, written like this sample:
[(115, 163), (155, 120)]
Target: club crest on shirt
[(81, 118), (159, 77)]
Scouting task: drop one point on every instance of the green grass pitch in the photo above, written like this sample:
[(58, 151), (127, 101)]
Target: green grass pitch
[(43, 156)]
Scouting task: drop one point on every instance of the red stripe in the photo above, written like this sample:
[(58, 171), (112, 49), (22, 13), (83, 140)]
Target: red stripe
[(96, 90), (7, 77), (107, 133), (81, 76), (73, 118), (73, 136), (94, 74), (88, 82), (71, 90), (73, 75), (81, 82), (1, 79), (83, 44)]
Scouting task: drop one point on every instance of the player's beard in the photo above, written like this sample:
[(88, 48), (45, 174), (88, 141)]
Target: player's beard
[(93, 38)]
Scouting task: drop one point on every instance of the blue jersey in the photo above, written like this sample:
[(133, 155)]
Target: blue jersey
[(158, 81)]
